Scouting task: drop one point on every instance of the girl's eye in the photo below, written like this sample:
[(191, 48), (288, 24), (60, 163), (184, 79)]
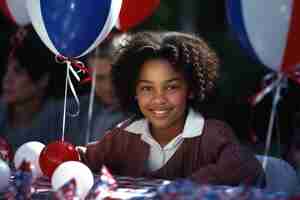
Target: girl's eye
[(145, 88), (172, 87)]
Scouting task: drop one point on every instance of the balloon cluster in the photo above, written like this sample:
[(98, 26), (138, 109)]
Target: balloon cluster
[(58, 161), (45, 159)]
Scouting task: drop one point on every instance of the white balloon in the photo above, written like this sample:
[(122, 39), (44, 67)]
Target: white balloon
[(73, 169), (4, 175), (30, 152)]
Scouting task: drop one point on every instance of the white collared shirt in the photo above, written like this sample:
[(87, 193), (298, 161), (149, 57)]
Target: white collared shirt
[(159, 156)]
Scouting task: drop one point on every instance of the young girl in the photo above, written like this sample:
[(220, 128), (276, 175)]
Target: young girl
[(163, 78)]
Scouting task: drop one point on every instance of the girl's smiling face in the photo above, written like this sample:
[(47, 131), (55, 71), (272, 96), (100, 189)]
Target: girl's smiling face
[(162, 95)]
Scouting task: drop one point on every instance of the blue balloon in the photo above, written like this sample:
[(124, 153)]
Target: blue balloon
[(68, 21), (72, 28)]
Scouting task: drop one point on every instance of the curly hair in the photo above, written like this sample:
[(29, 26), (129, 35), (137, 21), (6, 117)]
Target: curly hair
[(188, 54)]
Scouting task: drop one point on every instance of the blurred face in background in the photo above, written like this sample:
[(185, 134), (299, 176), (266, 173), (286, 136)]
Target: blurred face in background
[(17, 85), (104, 88)]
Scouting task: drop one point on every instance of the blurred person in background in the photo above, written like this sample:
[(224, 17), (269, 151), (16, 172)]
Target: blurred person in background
[(31, 78), (106, 112)]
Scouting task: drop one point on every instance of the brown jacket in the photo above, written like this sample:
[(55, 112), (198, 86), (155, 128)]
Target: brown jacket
[(214, 157)]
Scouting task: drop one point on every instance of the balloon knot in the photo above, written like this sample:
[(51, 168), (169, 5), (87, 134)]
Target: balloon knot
[(78, 66)]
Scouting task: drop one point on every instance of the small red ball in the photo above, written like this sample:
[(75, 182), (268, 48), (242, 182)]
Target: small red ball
[(56, 153)]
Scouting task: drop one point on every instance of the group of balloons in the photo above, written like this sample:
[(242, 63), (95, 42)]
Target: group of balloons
[(72, 28), (58, 161)]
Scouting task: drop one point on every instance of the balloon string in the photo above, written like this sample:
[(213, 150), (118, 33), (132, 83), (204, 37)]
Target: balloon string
[(261, 94), (70, 84), (268, 85), (65, 105), (75, 114), (276, 99), (91, 105), (73, 71), (91, 101)]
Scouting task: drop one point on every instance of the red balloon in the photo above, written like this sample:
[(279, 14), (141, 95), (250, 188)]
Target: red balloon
[(6, 152), (134, 12), (56, 153)]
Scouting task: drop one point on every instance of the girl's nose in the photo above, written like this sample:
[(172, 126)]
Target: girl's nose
[(159, 98)]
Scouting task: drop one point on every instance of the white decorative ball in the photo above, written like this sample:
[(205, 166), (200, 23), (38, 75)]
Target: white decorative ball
[(73, 169), (30, 152), (4, 175)]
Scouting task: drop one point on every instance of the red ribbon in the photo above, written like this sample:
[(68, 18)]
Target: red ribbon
[(268, 84), (79, 66)]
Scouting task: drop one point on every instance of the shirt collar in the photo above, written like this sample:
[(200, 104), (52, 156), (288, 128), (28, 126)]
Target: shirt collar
[(193, 125)]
